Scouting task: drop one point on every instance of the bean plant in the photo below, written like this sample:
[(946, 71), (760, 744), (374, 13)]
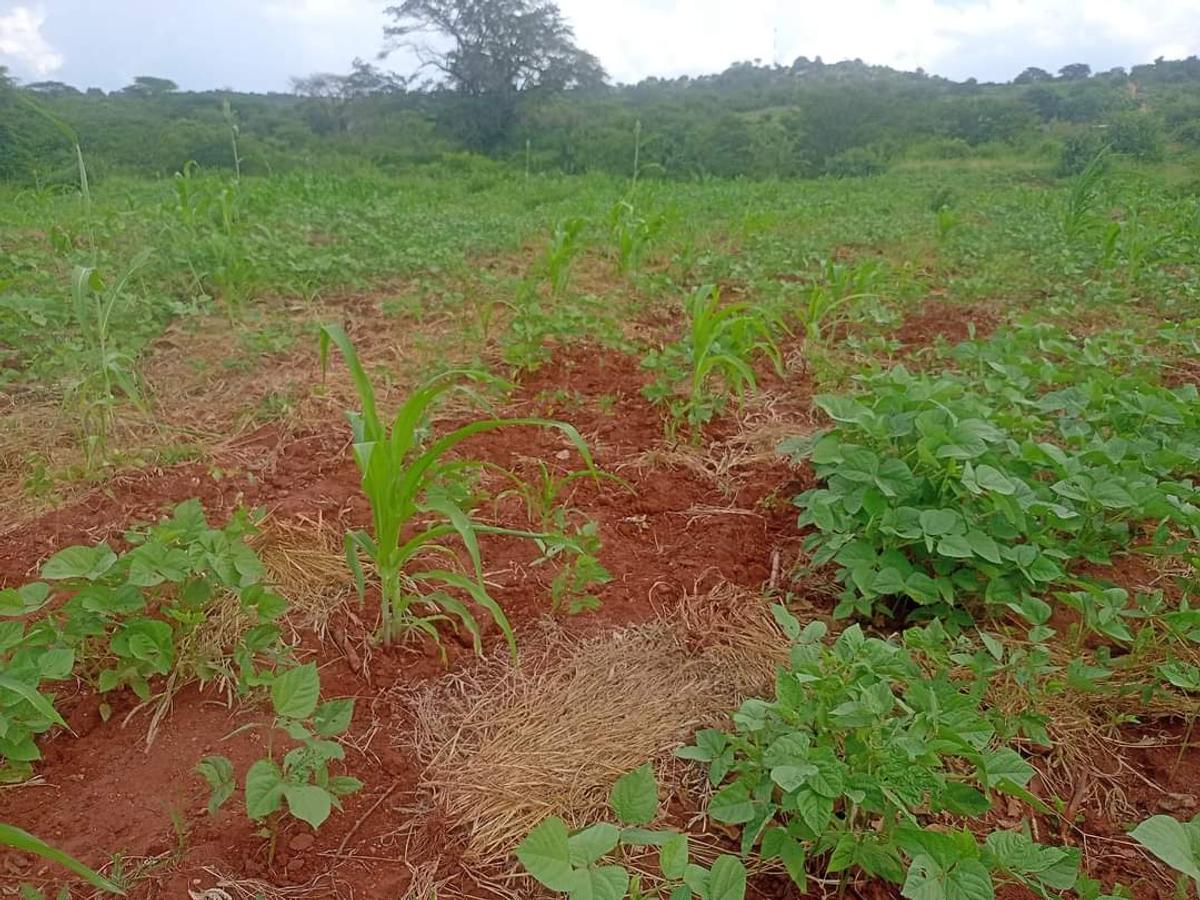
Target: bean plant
[(982, 484), (857, 749), (1175, 843), (573, 863), (300, 780), (131, 619)]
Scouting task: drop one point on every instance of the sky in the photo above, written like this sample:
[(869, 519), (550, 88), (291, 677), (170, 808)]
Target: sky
[(258, 45)]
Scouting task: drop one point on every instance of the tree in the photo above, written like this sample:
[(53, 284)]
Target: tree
[(329, 95), (1046, 101), (1032, 75), (490, 52), (52, 88), (1138, 135), (149, 86), (366, 80), (1075, 72)]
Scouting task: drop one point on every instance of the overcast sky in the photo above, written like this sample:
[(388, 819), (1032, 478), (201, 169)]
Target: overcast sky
[(258, 44)]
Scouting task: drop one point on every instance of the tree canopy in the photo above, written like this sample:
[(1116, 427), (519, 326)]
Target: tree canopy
[(1075, 71), (807, 118), (498, 46), (1033, 75), (489, 52), (149, 86)]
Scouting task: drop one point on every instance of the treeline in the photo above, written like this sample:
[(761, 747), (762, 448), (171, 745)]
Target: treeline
[(806, 119)]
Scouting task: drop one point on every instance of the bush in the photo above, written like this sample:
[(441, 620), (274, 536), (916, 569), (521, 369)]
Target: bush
[(857, 162), (1078, 150), (940, 148), (1138, 136)]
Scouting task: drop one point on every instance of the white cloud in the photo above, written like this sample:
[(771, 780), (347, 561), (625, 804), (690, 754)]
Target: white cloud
[(259, 43), (22, 45), (326, 35), (957, 38)]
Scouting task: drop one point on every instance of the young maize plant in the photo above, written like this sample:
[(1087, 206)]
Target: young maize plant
[(23, 841), (838, 286), (563, 247), (632, 234), (415, 517), (109, 372), (714, 359)]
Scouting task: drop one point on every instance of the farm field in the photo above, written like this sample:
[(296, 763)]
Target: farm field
[(863, 511)]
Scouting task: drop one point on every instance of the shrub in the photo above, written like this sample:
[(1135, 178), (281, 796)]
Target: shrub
[(1137, 135), (1078, 151), (857, 162)]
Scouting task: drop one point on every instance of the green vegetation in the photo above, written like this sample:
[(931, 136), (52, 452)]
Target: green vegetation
[(983, 484), (302, 780), (186, 603), (11, 836), (857, 744), (1175, 843), (569, 863), (695, 376), (979, 333), (419, 498), (547, 109)]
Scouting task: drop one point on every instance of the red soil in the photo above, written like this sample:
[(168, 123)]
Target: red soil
[(670, 531), (673, 530), (949, 321)]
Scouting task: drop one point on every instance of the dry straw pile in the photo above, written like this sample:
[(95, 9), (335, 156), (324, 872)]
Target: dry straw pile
[(508, 744)]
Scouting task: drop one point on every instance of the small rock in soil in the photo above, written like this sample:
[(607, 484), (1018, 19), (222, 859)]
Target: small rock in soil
[(1177, 802), (301, 842)]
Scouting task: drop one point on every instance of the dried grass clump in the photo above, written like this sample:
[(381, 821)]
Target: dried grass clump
[(506, 745), (306, 562), (761, 428)]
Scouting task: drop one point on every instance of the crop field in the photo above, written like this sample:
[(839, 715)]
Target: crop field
[(472, 533)]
